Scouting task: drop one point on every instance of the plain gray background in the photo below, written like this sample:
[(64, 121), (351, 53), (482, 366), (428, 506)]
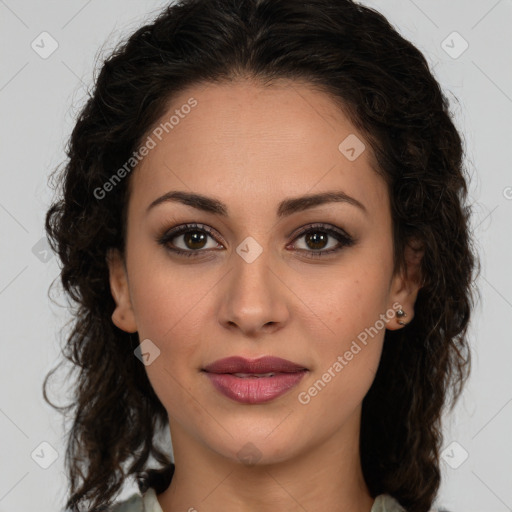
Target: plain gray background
[(39, 98)]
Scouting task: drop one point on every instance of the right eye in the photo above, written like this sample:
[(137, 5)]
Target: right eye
[(193, 239)]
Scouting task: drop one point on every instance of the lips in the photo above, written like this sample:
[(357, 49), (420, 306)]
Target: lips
[(254, 381), (259, 366)]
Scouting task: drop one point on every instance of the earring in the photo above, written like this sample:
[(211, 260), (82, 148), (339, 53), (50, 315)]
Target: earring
[(401, 313)]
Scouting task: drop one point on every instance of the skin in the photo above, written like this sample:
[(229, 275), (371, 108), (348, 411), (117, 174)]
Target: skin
[(251, 147)]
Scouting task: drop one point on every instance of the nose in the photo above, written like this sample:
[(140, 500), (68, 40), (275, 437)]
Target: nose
[(254, 297)]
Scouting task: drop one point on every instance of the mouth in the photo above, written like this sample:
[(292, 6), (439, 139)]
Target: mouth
[(254, 381), (260, 366)]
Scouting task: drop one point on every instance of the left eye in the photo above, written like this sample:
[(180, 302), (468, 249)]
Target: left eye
[(316, 238)]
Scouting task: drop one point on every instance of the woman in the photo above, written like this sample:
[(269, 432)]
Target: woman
[(263, 224)]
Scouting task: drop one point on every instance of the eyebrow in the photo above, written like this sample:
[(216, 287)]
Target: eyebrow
[(286, 207)]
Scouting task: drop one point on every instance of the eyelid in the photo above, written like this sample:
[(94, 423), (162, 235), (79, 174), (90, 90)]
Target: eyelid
[(180, 229), (320, 226), (344, 240)]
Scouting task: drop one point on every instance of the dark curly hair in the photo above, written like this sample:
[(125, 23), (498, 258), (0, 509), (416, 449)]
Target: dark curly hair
[(383, 83)]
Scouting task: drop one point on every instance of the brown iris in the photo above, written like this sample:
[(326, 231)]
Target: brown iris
[(317, 240), (194, 239)]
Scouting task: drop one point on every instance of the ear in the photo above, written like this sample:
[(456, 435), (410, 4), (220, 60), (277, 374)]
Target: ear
[(123, 316), (405, 285)]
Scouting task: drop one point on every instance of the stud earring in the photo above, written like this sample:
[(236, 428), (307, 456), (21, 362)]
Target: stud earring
[(400, 314)]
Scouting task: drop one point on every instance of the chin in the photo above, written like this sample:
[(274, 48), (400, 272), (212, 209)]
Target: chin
[(253, 449)]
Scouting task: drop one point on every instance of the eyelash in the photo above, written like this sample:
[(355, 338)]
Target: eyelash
[(343, 238)]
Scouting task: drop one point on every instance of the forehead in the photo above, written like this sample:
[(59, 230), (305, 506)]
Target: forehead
[(256, 144)]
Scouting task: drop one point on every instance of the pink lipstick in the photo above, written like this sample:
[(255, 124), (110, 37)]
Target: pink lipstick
[(254, 381)]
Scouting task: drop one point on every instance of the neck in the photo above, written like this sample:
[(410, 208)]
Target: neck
[(323, 477)]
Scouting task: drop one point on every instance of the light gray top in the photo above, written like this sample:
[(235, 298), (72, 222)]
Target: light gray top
[(149, 503)]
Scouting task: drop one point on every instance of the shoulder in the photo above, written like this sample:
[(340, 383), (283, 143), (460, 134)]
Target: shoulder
[(133, 504), (147, 502), (386, 503)]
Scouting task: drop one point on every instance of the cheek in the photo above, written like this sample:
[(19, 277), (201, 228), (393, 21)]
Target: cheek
[(167, 297), (347, 358), (172, 319), (350, 318), (346, 302), (170, 308)]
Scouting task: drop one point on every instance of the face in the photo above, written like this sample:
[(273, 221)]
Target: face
[(261, 274)]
